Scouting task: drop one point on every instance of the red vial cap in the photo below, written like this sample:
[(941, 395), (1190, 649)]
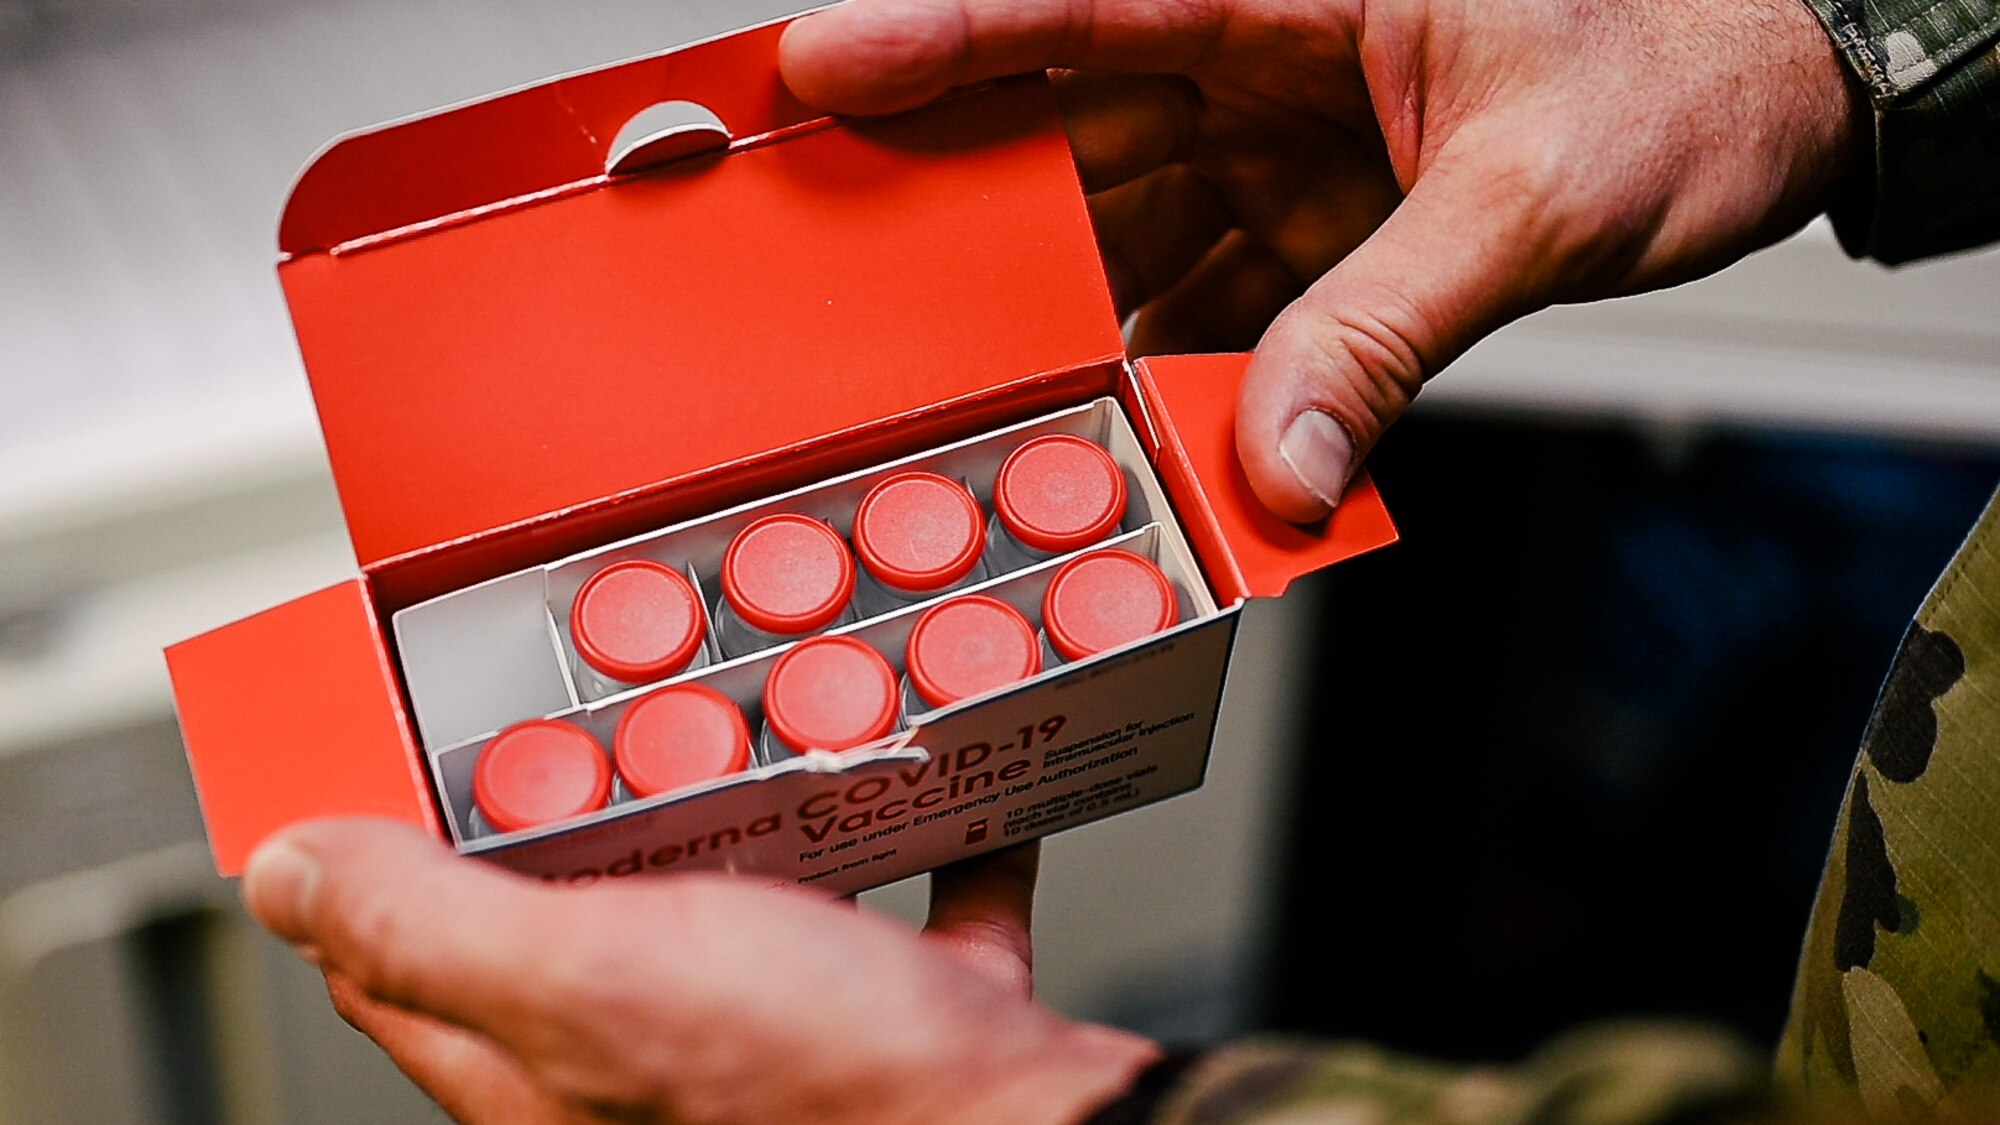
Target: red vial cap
[(919, 532), (540, 771), (1105, 599), (637, 621), (830, 693), (970, 645), (680, 736), (788, 574), (1059, 493)]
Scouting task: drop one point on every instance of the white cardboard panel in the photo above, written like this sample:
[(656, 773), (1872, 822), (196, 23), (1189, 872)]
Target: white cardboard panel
[(483, 651)]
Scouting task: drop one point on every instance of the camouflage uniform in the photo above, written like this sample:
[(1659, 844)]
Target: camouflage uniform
[(1896, 1008)]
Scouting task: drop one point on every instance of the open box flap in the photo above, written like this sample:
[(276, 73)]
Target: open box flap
[(294, 714), (1247, 551), (495, 329)]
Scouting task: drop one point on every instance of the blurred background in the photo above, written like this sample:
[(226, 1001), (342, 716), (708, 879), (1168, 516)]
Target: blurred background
[(1572, 749)]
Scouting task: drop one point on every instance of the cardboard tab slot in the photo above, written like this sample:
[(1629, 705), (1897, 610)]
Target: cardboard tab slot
[(660, 134)]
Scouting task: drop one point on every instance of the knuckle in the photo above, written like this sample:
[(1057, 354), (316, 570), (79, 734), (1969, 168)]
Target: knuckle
[(377, 931), (591, 977), (998, 952), (991, 933), (1369, 359), (593, 1012), (1575, 216), (1526, 175), (1539, 184), (598, 1094)]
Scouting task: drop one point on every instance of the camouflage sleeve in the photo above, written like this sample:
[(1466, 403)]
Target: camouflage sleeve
[(1624, 1074), (1895, 1012), (1932, 70), (1896, 1008)]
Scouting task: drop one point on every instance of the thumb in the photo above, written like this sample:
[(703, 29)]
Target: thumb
[(1454, 261)]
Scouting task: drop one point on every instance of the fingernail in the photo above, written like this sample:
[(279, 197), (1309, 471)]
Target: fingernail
[(278, 883), (1318, 451)]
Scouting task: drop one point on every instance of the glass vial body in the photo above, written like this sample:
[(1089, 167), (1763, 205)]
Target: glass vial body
[(918, 535), (784, 577), (536, 773), (829, 693), (965, 647), (1105, 599), (676, 737), (1054, 494), (634, 622)]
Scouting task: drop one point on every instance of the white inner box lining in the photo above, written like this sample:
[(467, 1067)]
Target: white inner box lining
[(479, 659)]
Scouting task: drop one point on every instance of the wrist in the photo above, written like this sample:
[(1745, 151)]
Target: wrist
[(1835, 112), (1829, 116)]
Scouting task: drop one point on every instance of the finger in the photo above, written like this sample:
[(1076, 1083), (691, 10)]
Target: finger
[(417, 927), (984, 908), (1222, 305), (468, 1075), (1124, 126), (876, 56), (1155, 229), (606, 996), (1470, 248)]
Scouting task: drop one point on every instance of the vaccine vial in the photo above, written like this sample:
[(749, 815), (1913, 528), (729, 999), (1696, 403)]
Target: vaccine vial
[(965, 647), (918, 535), (1053, 495), (784, 577), (829, 693), (536, 773), (1105, 599), (676, 737), (635, 622)]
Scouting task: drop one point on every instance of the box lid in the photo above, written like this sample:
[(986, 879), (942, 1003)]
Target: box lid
[(497, 329)]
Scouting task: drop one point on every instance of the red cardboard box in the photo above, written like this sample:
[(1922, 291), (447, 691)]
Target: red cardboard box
[(542, 327)]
